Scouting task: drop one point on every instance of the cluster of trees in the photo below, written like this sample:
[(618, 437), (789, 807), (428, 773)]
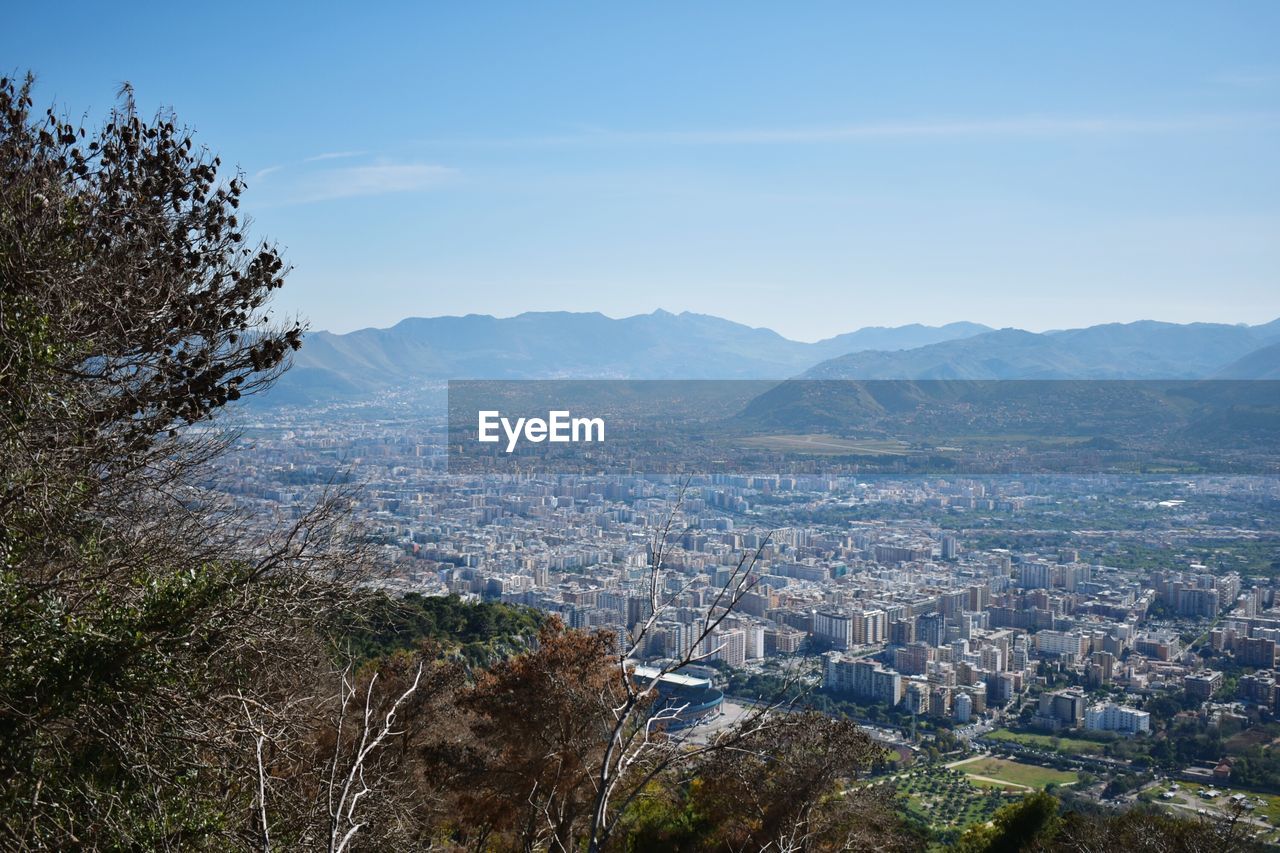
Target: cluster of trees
[(1256, 767), (511, 759), (481, 631), (150, 634), (177, 676), (1186, 740), (1038, 823), (1254, 762)]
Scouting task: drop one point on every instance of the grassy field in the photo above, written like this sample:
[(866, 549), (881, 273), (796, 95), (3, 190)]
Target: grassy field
[(1017, 773), (1065, 745)]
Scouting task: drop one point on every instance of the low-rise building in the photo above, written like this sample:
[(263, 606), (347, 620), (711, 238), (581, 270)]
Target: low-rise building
[(1202, 684)]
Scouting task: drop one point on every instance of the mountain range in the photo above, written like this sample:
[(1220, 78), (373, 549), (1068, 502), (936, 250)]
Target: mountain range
[(661, 345), (1141, 350)]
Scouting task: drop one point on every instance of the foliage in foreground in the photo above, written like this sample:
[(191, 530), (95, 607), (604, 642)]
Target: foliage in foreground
[(1037, 823), (140, 621)]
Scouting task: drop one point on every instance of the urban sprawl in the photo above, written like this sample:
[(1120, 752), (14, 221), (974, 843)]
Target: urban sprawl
[(1090, 623)]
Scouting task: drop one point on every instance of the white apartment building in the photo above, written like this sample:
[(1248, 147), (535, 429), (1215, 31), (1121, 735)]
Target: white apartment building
[(1110, 717)]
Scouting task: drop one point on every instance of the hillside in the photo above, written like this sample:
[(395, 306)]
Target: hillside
[(1260, 364), (1141, 350), (552, 345), (661, 345)]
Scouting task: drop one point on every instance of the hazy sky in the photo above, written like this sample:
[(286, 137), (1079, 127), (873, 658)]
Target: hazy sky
[(805, 166)]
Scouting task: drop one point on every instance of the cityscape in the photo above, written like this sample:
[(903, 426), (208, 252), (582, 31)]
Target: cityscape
[(1077, 624)]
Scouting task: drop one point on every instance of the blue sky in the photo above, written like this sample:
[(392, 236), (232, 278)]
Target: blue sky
[(811, 167)]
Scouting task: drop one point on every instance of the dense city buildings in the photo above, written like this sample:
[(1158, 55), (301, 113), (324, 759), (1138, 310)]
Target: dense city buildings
[(899, 594), (1081, 622)]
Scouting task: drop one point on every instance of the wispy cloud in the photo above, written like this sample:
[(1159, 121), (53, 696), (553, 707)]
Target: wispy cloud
[(1017, 126), (371, 180), (315, 179), (262, 173), (334, 155)]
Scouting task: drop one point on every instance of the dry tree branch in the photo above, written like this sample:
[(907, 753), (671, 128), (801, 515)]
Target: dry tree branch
[(259, 741), (371, 738), (639, 741)]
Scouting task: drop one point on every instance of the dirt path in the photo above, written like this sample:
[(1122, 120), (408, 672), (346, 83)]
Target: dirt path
[(971, 758), (1004, 783)]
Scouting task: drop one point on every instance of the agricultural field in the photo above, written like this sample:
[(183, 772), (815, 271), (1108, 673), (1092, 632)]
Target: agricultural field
[(1014, 774)]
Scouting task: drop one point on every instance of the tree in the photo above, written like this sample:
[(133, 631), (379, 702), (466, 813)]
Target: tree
[(134, 306), (791, 787), (643, 743), (1029, 824), (538, 725), (140, 616), (1145, 830)]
